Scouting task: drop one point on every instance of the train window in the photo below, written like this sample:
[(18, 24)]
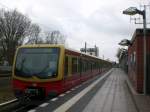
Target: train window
[(46, 58), (83, 66), (74, 65), (89, 66), (86, 65), (66, 66), (93, 65), (80, 65), (96, 65)]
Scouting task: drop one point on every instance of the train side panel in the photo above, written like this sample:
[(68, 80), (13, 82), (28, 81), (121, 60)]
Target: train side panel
[(73, 69)]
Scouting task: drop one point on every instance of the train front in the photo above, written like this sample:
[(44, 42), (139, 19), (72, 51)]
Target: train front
[(37, 71)]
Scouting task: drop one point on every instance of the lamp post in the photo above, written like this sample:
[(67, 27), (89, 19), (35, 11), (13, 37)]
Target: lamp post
[(134, 11)]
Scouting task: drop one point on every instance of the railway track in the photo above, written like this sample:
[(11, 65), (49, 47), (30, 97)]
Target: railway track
[(24, 108), (8, 106), (12, 106), (8, 102), (15, 106)]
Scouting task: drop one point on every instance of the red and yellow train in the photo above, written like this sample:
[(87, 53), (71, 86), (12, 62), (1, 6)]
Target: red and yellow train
[(47, 70)]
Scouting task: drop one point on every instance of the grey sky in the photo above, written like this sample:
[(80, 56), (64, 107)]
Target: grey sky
[(99, 22)]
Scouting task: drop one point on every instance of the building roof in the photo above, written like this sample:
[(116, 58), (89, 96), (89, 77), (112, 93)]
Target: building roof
[(139, 32)]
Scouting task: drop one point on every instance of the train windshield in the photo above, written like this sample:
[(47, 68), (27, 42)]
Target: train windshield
[(38, 62)]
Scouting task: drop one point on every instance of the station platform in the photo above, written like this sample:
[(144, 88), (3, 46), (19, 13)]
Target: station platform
[(114, 96), (113, 93), (118, 95)]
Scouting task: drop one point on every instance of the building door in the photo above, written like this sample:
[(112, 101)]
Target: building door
[(148, 74)]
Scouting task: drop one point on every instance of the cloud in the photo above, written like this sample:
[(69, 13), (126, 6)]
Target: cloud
[(94, 21)]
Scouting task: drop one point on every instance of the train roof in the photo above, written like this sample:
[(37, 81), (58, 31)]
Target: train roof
[(82, 53), (60, 45)]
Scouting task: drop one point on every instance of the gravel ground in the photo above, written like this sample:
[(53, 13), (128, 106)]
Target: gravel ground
[(6, 92)]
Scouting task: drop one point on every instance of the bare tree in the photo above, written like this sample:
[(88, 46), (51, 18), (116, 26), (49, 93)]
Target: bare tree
[(118, 53), (121, 52), (13, 29), (54, 37), (1, 52), (34, 32)]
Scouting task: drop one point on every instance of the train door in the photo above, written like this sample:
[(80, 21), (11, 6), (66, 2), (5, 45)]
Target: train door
[(80, 66), (66, 67), (66, 70)]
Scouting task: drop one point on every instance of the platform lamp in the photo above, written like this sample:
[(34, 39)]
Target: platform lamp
[(133, 11), (125, 42)]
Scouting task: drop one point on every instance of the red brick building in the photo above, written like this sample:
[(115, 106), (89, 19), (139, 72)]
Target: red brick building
[(135, 61)]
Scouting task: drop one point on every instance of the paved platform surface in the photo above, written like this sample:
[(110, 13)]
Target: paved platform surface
[(114, 96)]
